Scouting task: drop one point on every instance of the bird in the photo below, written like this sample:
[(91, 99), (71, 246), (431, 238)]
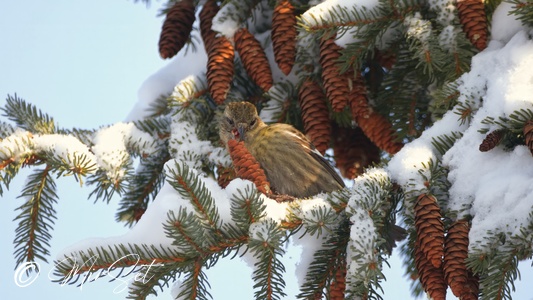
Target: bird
[(291, 163)]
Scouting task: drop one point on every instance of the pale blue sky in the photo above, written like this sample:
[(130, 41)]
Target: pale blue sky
[(83, 62)]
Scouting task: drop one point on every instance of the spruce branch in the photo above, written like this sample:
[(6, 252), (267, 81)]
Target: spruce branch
[(188, 233), (9, 171), (246, 208), (443, 143), (265, 243), (345, 18), (36, 218), (151, 264), (237, 11), (186, 90), (320, 221), (326, 262), (405, 99), (159, 107), (15, 152), (28, 116), (445, 97), (186, 182), (142, 188), (149, 277), (499, 272), (105, 187), (523, 10), (156, 127), (425, 48), (195, 286), (5, 130)]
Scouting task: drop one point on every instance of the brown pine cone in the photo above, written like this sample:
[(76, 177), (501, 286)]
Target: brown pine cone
[(473, 285), (431, 278), (379, 130), (225, 175), (208, 12), (474, 20), (429, 229), (357, 98), (492, 140), (253, 58), (528, 135), (315, 114), (386, 59), (247, 167), (459, 278), (220, 68), (353, 151), (284, 35), (338, 285), (336, 84), (176, 28)]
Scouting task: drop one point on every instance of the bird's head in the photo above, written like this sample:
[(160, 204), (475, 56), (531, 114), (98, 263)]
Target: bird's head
[(238, 120)]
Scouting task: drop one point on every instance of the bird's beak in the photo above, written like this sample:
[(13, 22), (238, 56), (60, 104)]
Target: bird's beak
[(238, 133), (240, 130)]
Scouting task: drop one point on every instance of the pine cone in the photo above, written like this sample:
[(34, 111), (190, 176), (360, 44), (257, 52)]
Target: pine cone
[(338, 285), (429, 229), (528, 135), (247, 167), (386, 59), (358, 99), (492, 140), (457, 275), (220, 68), (473, 285), (225, 175), (176, 28), (138, 212), (472, 17), (315, 114), (209, 10), (379, 130), (353, 151), (335, 83), (284, 35), (432, 278), (253, 58)]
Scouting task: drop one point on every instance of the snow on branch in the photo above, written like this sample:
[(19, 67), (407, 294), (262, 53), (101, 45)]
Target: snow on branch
[(113, 145)]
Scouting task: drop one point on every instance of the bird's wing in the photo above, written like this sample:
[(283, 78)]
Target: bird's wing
[(325, 163), (301, 139)]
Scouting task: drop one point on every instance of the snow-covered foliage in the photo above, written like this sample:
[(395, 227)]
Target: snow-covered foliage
[(192, 221)]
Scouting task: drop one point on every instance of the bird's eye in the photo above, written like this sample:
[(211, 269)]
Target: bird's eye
[(230, 121), (252, 123)]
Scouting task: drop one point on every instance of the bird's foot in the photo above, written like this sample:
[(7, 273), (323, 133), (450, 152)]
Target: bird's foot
[(280, 198)]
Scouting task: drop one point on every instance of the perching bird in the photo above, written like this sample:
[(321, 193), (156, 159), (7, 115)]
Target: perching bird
[(291, 163)]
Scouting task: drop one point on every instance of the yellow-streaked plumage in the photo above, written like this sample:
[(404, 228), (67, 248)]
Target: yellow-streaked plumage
[(291, 163)]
